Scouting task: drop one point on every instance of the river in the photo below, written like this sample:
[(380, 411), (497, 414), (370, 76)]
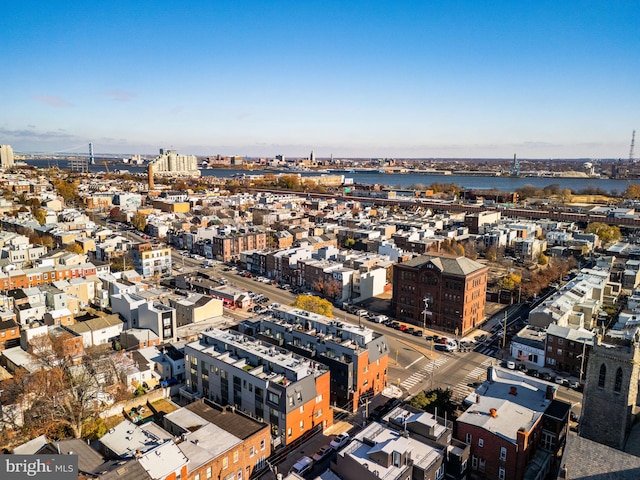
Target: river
[(400, 179)]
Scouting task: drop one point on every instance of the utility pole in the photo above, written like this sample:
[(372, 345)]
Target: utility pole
[(584, 347), (504, 332), (432, 363)]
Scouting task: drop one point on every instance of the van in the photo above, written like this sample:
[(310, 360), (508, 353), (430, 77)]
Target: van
[(302, 466)]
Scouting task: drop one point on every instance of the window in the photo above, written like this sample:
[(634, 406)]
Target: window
[(301, 408), (440, 472), (274, 398), (262, 444), (225, 462), (501, 473), (289, 433), (548, 440), (235, 456), (298, 396), (252, 451), (319, 398), (240, 474), (197, 477), (396, 459), (290, 399), (468, 438), (319, 413), (480, 442), (602, 376), (481, 464), (301, 425), (560, 341), (474, 462), (209, 475), (503, 453), (618, 384)]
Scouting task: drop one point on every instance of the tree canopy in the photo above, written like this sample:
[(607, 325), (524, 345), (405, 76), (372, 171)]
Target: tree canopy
[(606, 233), (314, 304)]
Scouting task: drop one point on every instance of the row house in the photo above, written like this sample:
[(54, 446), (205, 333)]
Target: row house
[(282, 265), (515, 427), (412, 445), (357, 356), (567, 349), (32, 277), (288, 391), (9, 333), (315, 273), (219, 439), (228, 247), (151, 259)]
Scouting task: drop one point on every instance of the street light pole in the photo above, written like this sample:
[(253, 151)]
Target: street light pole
[(584, 346), (425, 312)]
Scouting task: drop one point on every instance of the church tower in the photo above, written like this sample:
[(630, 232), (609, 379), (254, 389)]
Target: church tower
[(611, 390)]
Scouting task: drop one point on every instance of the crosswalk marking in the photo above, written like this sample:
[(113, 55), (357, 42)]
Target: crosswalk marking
[(424, 372), (462, 389)]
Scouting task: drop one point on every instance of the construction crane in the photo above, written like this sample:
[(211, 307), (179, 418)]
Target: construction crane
[(633, 143)]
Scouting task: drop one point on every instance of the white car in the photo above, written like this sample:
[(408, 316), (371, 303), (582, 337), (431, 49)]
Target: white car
[(340, 441)]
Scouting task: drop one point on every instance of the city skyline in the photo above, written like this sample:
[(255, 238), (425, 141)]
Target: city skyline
[(352, 79)]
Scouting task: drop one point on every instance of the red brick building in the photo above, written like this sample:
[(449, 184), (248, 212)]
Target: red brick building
[(454, 288)]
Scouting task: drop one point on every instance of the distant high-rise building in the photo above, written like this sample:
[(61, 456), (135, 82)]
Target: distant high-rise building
[(170, 163), (312, 157), (6, 156)]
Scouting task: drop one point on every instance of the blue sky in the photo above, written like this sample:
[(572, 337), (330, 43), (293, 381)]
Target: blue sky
[(543, 79)]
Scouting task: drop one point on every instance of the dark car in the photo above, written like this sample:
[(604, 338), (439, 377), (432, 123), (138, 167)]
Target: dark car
[(418, 333), (409, 330)]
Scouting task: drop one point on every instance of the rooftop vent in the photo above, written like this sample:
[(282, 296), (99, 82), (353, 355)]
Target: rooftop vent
[(493, 412)]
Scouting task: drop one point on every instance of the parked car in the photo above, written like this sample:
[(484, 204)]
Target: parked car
[(409, 330), (323, 453), (418, 333), (511, 365), (340, 441), (380, 318), (302, 466)]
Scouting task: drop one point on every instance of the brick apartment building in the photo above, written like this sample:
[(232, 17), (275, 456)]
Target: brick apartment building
[(264, 381), (357, 356), (455, 289), (229, 247)]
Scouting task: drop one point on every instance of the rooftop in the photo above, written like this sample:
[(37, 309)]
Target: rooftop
[(507, 402)]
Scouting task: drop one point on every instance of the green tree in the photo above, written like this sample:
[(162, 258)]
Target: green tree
[(67, 190), (491, 254), (74, 248), (349, 243), (139, 221), (606, 233), (435, 400), (542, 259), (312, 303), (510, 282), (632, 191), (40, 215)]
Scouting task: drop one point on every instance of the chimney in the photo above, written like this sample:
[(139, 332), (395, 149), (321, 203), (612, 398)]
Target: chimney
[(493, 413), (477, 398), (490, 374), (150, 174), (550, 394)]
